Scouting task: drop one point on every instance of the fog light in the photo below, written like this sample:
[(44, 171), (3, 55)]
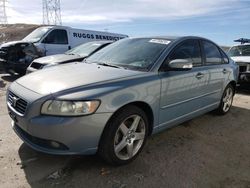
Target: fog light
[(54, 144)]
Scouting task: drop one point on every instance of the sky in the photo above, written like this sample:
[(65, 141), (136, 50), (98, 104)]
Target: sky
[(219, 20)]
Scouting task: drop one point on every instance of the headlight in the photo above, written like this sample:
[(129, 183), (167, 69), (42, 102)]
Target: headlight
[(69, 108)]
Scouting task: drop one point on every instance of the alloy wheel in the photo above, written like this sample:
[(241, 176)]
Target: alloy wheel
[(129, 137), (227, 99)]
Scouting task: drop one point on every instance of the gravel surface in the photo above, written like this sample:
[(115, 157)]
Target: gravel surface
[(209, 151)]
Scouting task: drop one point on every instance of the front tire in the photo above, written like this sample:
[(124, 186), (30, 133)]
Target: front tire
[(226, 100), (124, 136)]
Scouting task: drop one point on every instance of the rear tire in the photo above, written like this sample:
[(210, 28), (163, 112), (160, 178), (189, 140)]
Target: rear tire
[(226, 100), (124, 136)]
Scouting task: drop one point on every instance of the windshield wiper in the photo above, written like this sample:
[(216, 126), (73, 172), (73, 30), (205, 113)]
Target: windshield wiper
[(110, 65)]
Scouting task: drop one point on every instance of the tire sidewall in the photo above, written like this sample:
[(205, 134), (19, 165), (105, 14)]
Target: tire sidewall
[(106, 146), (221, 111)]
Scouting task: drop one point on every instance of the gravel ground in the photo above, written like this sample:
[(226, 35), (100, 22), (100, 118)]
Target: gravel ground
[(209, 151)]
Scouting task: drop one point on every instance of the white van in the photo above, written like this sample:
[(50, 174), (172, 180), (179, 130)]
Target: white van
[(52, 40)]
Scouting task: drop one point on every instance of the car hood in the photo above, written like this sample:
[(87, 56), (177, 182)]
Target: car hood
[(12, 43), (57, 59), (72, 75), (243, 59)]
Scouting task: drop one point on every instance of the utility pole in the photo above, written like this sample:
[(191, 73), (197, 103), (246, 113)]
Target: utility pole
[(3, 15), (52, 12)]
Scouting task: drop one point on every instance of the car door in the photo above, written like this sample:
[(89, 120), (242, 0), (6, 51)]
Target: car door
[(217, 69), (183, 93), (56, 42)]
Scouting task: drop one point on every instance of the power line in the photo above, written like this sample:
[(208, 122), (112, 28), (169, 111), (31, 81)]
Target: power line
[(3, 15), (52, 12)]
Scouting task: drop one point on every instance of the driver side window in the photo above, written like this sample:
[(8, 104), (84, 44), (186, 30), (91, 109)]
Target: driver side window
[(190, 50), (57, 36)]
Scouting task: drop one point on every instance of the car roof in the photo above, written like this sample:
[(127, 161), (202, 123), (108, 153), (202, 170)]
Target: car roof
[(173, 38)]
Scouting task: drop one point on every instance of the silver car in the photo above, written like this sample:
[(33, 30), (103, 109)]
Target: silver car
[(76, 54), (122, 94)]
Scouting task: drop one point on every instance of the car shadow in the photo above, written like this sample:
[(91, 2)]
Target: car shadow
[(190, 152), (45, 170), (38, 165)]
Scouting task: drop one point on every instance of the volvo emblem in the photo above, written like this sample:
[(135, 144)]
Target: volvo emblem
[(15, 99)]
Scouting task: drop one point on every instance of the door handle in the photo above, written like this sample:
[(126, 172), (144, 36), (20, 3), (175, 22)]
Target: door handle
[(199, 75), (225, 71)]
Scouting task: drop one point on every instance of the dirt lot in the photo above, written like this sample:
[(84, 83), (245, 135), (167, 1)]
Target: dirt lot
[(209, 151), (12, 32)]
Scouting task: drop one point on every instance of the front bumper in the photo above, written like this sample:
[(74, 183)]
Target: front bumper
[(60, 135), (54, 134)]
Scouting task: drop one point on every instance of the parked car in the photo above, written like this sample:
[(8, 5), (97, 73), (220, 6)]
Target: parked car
[(122, 94), (241, 55), (48, 40), (15, 57), (76, 54)]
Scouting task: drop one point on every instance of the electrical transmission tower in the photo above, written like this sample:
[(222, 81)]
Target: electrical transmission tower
[(52, 12), (3, 16)]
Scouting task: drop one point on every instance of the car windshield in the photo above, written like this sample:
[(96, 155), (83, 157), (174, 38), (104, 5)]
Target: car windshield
[(85, 49), (135, 53), (37, 34), (243, 50)]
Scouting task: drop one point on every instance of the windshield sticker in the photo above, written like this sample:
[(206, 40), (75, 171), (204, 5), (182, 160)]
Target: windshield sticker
[(160, 41)]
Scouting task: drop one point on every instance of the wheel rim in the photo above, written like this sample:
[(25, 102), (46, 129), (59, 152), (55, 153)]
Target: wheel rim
[(129, 137), (227, 99)]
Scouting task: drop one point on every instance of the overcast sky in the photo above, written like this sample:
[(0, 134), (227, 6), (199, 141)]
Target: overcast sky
[(220, 20)]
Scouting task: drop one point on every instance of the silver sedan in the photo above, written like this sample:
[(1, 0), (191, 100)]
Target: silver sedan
[(122, 94)]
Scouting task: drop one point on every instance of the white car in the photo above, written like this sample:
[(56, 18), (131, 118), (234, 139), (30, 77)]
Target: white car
[(241, 55)]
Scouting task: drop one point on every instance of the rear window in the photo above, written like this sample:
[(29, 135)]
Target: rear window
[(212, 53)]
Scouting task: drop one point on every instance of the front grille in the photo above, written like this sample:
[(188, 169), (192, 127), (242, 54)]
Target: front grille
[(243, 68), (36, 65), (17, 103)]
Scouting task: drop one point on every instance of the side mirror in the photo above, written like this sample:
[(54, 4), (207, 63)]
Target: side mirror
[(180, 65)]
